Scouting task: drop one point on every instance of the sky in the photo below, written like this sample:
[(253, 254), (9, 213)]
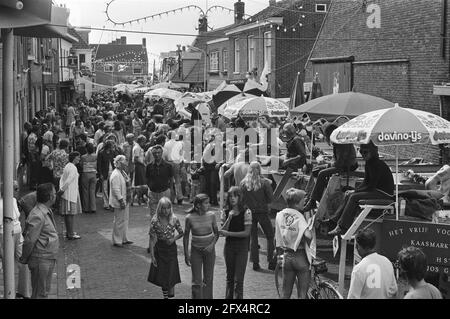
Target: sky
[(91, 13)]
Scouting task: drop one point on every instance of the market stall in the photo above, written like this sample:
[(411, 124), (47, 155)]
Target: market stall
[(406, 224)]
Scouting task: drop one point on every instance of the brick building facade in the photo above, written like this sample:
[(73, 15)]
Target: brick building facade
[(388, 48)]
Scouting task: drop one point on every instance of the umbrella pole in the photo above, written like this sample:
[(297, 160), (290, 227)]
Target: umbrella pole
[(312, 138), (396, 182)]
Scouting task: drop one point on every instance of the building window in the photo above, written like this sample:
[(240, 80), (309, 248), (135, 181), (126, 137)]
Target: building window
[(82, 58), (321, 7), (268, 50), (109, 68), (214, 61), (251, 52), (236, 55), (137, 69), (225, 60)]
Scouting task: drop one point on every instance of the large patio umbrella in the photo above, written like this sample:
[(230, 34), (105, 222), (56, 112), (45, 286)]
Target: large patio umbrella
[(254, 107), (190, 97), (350, 104), (140, 90), (163, 93), (229, 89), (394, 126)]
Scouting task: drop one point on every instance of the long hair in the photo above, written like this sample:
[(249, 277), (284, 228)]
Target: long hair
[(164, 201), (253, 179), (234, 191)]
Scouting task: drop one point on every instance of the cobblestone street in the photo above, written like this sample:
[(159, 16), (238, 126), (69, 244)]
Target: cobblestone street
[(108, 272)]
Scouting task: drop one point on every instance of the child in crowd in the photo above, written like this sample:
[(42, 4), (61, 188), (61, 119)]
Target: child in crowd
[(195, 179)]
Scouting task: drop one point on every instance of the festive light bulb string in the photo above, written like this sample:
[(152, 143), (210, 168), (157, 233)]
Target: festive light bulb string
[(202, 12)]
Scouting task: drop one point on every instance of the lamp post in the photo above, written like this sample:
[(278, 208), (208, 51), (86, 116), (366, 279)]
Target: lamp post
[(206, 61)]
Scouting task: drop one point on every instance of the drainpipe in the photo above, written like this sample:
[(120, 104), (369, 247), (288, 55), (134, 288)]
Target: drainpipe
[(317, 37), (8, 163)]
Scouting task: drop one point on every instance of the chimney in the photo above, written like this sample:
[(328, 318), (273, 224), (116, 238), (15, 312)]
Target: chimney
[(203, 24), (272, 2), (183, 48), (123, 40), (239, 11), (144, 42)]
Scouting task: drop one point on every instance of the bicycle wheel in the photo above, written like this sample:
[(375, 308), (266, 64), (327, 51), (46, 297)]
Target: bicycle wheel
[(327, 291), (279, 279)]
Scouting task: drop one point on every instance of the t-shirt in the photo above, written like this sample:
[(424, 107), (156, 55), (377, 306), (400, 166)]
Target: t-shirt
[(373, 278), (17, 229), (427, 291), (290, 225)]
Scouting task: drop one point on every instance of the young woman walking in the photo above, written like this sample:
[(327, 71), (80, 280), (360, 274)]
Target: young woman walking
[(236, 226), (164, 270)]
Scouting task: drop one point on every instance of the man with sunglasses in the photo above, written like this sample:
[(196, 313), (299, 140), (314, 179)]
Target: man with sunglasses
[(378, 184)]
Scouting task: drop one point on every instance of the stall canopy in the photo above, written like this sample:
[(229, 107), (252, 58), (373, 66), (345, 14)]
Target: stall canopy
[(230, 88), (348, 104)]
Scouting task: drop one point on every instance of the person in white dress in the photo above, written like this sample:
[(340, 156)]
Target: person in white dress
[(70, 197)]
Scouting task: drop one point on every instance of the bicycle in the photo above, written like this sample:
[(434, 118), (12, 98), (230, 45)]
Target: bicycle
[(318, 287)]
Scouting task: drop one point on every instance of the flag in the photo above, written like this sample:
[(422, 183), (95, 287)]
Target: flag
[(263, 78), (297, 96), (335, 245)]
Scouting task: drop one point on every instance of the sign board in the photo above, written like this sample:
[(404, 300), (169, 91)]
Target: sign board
[(72, 62), (236, 81), (307, 86), (433, 239)]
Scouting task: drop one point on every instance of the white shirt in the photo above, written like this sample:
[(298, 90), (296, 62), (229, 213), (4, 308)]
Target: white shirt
[(99, 133), (290, 226), (137, 152), (17, 229), (173, 151), (373, 278), (69, 183)]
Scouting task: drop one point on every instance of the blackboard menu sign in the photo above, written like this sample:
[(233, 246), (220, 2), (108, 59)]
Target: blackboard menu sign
[(433, 239)]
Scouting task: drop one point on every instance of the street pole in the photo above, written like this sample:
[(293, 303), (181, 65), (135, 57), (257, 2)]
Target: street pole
[(204, 75), (8, 162)]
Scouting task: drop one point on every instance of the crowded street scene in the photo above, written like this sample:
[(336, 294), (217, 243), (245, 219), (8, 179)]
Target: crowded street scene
[(254, 149)]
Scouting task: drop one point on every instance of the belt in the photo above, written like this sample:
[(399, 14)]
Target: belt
[(288, 250)]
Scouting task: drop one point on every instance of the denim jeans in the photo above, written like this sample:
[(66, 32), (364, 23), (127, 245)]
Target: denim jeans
[(296, 266), (88, 199), (177, 193), (347, 212), (264, 221), (41, 276), (153, 200), (236, 256), (202, 284)]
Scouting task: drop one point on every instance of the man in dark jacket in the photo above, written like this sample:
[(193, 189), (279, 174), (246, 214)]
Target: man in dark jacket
[(159, 174), (378, 184)]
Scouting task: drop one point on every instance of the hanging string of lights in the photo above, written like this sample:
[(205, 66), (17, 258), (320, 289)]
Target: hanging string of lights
[(203, 13)]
